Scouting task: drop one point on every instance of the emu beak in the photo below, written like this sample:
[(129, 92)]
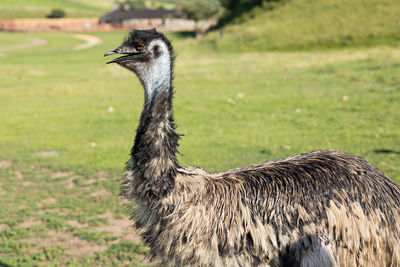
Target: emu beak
[(113, 52), (122, 49), (126, 51)]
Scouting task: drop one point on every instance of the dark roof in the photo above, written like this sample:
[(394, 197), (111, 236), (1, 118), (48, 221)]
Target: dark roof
[(120, 15)]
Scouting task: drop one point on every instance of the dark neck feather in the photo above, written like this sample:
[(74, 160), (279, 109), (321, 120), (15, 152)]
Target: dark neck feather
[(153, 155)]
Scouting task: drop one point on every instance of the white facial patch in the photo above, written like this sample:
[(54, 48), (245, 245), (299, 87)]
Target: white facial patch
[(156, 74)]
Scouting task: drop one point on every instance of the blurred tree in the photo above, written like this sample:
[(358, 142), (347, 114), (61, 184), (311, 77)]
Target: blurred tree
[(56, 13), (198, 10), (136, 4), (235, 8)]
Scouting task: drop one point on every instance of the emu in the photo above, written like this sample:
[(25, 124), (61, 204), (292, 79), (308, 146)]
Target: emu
[(322, 208)]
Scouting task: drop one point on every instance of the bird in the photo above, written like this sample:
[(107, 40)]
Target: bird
[(321, 208)]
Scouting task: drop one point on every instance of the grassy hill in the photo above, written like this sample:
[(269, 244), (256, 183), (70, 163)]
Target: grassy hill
[(305, 24), (10, 9), (40, 8)]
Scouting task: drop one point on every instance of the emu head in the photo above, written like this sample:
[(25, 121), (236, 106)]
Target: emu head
[(150, 56)]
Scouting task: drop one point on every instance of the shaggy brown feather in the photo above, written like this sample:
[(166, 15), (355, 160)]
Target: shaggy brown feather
[(322, 208)]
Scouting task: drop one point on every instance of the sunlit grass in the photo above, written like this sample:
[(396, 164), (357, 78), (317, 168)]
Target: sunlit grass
[(55, 98), (314, 24)]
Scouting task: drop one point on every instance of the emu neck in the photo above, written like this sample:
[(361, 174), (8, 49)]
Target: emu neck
[(155, 75), (156, 83), (153, 156)]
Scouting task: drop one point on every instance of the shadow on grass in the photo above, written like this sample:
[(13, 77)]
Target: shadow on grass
[(2, 264), (386, 151)]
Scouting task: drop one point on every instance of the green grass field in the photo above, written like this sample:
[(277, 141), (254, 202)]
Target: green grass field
[(314, 24), (62, 151)]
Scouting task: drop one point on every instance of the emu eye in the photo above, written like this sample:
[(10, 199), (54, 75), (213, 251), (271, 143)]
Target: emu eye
[(157, 51), (139, 47)]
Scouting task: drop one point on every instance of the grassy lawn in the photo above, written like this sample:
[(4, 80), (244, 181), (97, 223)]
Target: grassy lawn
[(67, 124), (13, 39)]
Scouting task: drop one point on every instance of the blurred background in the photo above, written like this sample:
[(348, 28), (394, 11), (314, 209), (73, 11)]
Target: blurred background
[(256, 80)]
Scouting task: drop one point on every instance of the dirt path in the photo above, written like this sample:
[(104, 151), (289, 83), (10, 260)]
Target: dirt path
[(35, 41), (90, 41)]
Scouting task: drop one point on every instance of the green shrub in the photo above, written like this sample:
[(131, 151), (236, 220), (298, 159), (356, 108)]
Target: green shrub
[(56, 13)]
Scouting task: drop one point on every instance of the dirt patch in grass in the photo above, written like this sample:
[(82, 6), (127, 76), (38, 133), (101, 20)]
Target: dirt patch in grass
[(4, 227), (19, 175), (102, 175), (74, 245), (2, 191), (47, 201), (77, 224), (70, 183), (5, 164), (90, 181), (120, 228), (60, 174), (27, 183), (31, 222), (50, 153), (102, 192)]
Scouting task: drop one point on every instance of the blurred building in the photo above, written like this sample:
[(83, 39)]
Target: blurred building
[(118, 19), (162, 19), (128, 16)]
